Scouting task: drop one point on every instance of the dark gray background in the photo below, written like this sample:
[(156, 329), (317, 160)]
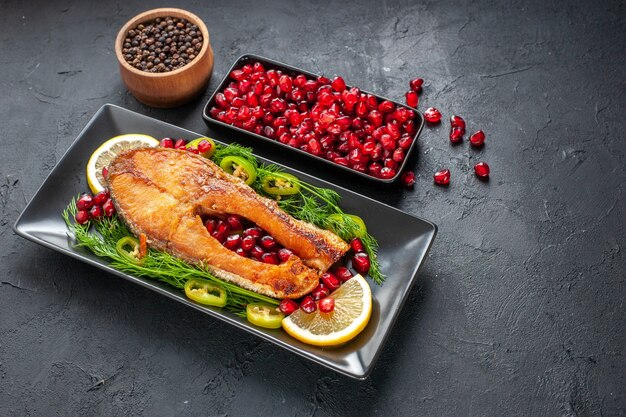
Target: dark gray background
[(519, 309)]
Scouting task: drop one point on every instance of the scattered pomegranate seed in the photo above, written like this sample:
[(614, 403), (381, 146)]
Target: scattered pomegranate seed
[(482, 169), (233, 242), (204, 146), (408, 179), (308, 304), (457, 121), (257, 252), (432, 115), (320, 292), (327, 304), (210, 225), (82, 216), (411, 99), (105, 172), (442, 177), (478, 138), (268, 242), (253, 231), (361, 262), (234, 222), (416, 84), (284, 254), (287, 306), (343, 273), (456, 134), (357, 245), (330, 281), (96, 212), (167, 143), (101, 198), (193, 151), (109, 208), (269, 258), (85, 202), (248, 242), (180, 144)]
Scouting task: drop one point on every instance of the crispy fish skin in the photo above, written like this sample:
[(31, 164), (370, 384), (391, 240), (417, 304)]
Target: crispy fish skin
[(163, 192)]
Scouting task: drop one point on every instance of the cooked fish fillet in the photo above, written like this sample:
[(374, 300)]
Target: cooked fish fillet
[(163, 192)]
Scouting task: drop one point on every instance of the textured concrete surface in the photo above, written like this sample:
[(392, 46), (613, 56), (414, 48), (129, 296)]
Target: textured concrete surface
[(519, 309)]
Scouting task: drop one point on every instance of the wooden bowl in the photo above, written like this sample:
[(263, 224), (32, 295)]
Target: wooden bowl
[(167, 89)]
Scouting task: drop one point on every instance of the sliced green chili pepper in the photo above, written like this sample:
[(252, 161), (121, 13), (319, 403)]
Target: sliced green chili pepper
[(281, 184), (128, 248), (340, 219), (264, 315), (205, 292), (239, 167)]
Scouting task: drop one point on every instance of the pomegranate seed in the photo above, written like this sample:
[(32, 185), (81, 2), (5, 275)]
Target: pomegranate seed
[(457, 121), (411, 99), (432, 115), (387, 173), (405, 142), (416, 84), (343, 273), (193, 151), (326, 99), (341, 161), (330, 281), (361, 110), (278, 105), (323, 80), (248, 242), (82, 216), (284, 254), (231, 93), (408, 179), (308, 304), (338, 84), (85, 202), (327, 305), (285, 83), (374, 169), (482, 169), (386, 106), (398, 155), (180, 144), (310, 85), (101, 198), (442, 177), (371, 102), (257, 252), (167, 143), (242, 252), (233, 242), (357, 245), (269, 258), (247, 69), (268, 242), (237, 75), (409, 127), (243, 86), (105, 172), (320, 292), (478, 138), (361, 262), (210, 225), (456, 134), (234, 222), (253, 231), (287, 306), (387, 142), (375, 117), (96, 212), (299, 80), (258, 67), (251, 99), (109, 208)]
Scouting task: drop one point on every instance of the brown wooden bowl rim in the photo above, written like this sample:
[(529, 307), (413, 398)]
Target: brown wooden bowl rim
[(151, 15)]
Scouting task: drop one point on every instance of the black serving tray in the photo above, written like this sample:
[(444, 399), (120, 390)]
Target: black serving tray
[(288, 69), (404, 241)]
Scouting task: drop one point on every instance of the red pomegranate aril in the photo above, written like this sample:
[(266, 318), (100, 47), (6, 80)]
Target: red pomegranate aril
[(237, 102), (387, 173), (284, 254), (374, 169), (398, 155), (109, 208), (341, 161), (278, 105), (85, 202), (268, 242), (251, 99), (167, 143), (405, 142), (361, 262), (101, 198), (180, 144), (393, 129), (416, 84), (412, 99), (299, 80), (222, 227), (327, 305), (343, 273), (308, 304), (268, 132), (375, 117), (242, 252), (253, 231), (361, 110), (386, 106), (402, 114), (409, 127), (320, 292), (82, 216), (387, 142), (310, 85), (256, 252), (233, 242), (248, 242), (326, 99), (285, 83), (408, 179), (287, 306), (269, 258), (234, 222), (334, 129), (96, 212), (210, 225), (237, 74), (244, 113), (457, 121), (338, 84), (442, 177), (330, 281), (258, 67), (323, 80), (478, 138), (432, 115), (482, 169), (371, 101), (456, 134), (357, 245), (244, 86), (194, 151), (231, 93)]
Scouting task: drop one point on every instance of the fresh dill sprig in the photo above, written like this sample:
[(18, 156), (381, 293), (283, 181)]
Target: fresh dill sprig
[(233, 149)]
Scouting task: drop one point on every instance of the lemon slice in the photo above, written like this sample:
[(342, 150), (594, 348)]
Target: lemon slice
[(353, 308), (103, 156)]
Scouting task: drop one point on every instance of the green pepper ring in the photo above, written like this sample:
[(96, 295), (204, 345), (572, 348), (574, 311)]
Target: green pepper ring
[(202, 291), (130, 256), (229, 162), (361, 230), (274, 190)]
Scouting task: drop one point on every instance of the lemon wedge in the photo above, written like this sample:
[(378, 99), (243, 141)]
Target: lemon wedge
[(103, 156), (353, 308)]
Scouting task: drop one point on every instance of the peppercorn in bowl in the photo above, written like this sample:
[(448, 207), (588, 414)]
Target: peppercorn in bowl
[(165, 57)]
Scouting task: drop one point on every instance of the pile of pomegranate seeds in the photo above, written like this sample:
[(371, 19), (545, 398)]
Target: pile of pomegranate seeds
[(94, 207), (246, 239), (320, 116)]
